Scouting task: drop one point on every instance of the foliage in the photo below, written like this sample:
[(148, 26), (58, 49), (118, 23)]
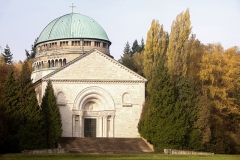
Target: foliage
[(198, 108), (52, 118), (33, 51), (8, 56), (156, 44), (177, 52), (129, 59), (31, 124), (138, 62), (12, 111)]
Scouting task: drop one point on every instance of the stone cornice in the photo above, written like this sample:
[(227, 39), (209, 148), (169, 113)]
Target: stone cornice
[(93, 81)]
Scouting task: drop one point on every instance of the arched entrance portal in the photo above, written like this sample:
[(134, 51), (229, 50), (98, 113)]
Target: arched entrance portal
[(93, 113)]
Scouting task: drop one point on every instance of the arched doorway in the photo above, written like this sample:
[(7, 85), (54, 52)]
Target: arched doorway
[(93, 113)]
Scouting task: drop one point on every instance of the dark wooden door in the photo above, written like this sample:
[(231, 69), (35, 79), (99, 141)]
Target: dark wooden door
[(89, 127)]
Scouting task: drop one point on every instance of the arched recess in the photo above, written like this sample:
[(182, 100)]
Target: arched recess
[(61, 100), (52, 63), (126, 100), (94, 94)]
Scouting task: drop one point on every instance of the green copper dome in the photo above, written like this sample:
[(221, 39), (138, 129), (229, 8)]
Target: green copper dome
[(73, 25)]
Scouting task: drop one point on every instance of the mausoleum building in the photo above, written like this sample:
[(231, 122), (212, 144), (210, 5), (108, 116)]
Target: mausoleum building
[(97, 96)]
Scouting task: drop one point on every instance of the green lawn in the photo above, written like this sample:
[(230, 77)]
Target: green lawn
[(115, 157)]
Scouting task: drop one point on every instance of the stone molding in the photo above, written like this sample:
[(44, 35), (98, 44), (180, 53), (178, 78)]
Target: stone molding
[(93, 81), (93, 113), (92, 93)]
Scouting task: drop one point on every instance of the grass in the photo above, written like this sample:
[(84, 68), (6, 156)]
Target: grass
[(115, 157)]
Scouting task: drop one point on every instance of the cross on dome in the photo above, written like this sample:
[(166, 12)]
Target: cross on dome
[(73, 7)]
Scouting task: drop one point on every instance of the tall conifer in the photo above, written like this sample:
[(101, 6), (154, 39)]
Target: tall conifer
[(52, 117), (30, 131), (8, 56), (11, 109)]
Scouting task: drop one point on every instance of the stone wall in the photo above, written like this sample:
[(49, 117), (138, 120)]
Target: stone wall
[(40, 151), (174, 151)]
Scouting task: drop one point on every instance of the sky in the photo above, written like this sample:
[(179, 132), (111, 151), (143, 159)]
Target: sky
[(213, 21)]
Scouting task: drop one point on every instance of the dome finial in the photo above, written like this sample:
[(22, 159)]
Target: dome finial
[(72, 7)]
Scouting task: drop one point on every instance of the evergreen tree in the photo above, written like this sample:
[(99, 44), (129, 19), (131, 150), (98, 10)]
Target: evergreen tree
[(12, 111), (127, 59), (7, 55), (127, 49), (52, 117), (186, 114), (135, 48), (141, 47), (3, 129), (160, 129), (31, 123), (33, 51)]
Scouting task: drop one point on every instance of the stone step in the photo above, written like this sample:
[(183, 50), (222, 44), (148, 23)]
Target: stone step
[(104, 145)]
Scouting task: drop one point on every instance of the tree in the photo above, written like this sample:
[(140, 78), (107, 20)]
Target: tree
[(138, 62), (177, 52), (159, 123), (156, 45), (141, 47), (31, 122), (135, 48), (127, 59), (33, 51), (127, 49), (219, 71), (52, 118), (186, 114), (7, 55), (11, 110)]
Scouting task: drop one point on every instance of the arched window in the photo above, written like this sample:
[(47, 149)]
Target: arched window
[(56, 63), (64, 61), (60, 62), (52, 63), (49, 64)]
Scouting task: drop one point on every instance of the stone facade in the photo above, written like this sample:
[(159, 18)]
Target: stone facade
[(97, 96)]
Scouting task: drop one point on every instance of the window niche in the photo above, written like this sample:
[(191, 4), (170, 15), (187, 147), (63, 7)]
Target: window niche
[(126, 100), (61, 101)]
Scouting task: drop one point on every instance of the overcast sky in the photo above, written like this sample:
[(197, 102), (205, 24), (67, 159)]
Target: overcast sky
[(21, 21)]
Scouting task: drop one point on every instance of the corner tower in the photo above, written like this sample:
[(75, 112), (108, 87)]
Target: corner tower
[(64, 39)]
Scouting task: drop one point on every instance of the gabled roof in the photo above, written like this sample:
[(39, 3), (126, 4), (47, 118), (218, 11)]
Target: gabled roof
[(78, 62)]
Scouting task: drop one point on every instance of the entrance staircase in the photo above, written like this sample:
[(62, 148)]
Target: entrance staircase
[(104, 145)]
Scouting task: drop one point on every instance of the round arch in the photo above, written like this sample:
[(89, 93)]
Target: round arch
[(97, 94)]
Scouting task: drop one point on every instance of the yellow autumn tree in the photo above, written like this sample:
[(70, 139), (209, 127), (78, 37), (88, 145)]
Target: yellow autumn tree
[(177, 52), (156, 44), (230, 78), (138, 62), (211, 73)]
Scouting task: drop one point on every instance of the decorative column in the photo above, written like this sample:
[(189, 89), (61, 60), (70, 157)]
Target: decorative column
[(104, 126), (73, 125), (100, 126), (112, 125), (81, 125)]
